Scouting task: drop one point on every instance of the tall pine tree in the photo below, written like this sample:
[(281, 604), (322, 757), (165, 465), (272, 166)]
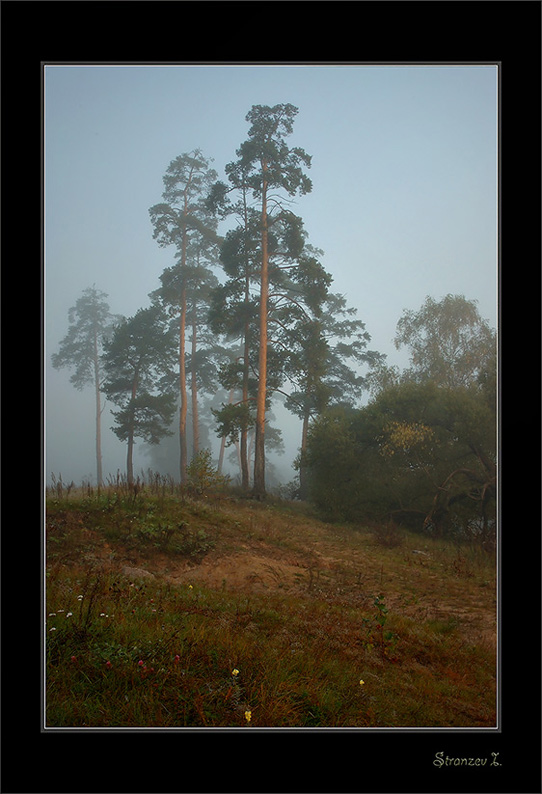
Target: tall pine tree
[(90, 323), (272, 172), (183, 219), (139, 379)]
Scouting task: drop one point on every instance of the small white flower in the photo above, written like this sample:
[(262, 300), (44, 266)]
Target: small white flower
[(69, 614), (53, 628), (52, 614)]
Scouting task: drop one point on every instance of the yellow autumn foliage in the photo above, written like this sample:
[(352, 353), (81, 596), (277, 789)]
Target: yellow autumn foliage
[(405, 436)]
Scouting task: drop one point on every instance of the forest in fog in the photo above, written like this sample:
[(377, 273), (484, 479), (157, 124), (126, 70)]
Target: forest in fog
[(246, 321)]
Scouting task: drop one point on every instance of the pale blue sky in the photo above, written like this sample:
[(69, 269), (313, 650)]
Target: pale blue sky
[(404, 200)]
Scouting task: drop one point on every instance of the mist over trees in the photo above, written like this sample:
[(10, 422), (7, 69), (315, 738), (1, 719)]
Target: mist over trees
[(184, 221), (246, 318), (139, 379), (90, 324)]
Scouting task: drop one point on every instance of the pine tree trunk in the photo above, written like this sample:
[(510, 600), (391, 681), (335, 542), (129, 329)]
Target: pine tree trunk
[(130, 453), (303, 486), (99, 474), (182, 347), (129, 459), (245, 472), (221, 454), (194, 388), (259, 453), (223, 440), (182, 382), (245, 476)]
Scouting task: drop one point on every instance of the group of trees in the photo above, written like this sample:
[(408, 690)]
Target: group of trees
[(248, 315), (423, 452), (271, 326)]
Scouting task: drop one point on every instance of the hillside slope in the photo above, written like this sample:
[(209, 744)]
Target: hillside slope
[(414, 620)]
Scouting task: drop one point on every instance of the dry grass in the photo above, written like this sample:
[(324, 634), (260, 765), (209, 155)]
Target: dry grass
[(303, 609)]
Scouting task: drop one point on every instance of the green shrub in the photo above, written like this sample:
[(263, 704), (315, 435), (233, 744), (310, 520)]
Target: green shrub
[(203, 476)]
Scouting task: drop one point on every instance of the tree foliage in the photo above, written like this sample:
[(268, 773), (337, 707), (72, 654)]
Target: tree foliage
[(422, 451), (449, 343), (271, 171), (139, 378), (185, 220), (420, 454), (90, 323)]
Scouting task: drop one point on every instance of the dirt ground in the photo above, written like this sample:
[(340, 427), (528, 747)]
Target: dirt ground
[(411, 580)]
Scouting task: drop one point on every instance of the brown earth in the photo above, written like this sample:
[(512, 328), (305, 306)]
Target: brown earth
[(271, 552)]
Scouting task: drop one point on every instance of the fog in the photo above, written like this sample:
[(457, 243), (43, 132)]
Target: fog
[(403, 204)]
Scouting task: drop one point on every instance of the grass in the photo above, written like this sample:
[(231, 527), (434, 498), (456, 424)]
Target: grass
[(193, 646)]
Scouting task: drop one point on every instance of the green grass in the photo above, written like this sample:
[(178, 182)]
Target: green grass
[(157, 653)]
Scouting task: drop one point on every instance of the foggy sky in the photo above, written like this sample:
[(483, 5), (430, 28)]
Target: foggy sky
[(404, 199)]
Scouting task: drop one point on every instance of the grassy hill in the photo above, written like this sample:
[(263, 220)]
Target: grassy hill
[(165, 610)]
